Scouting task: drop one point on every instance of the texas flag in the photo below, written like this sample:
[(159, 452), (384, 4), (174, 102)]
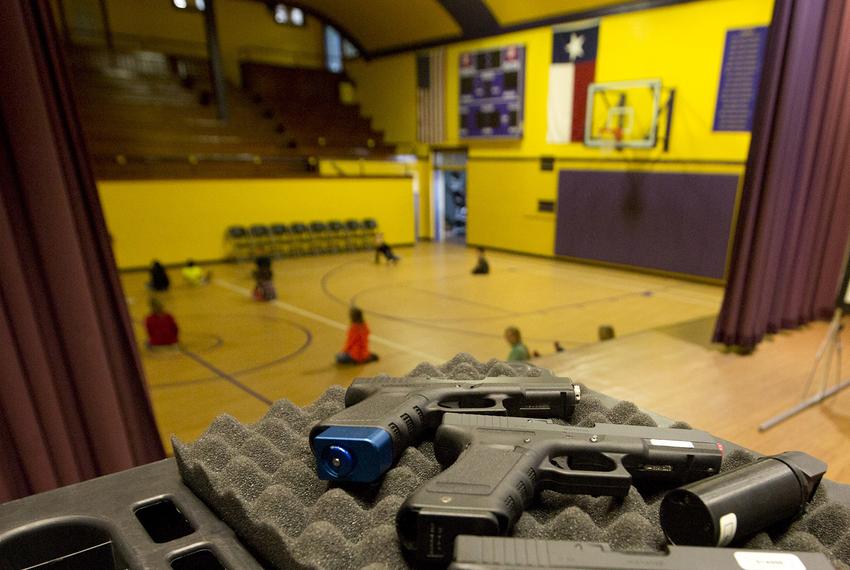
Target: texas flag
[(573, 69)]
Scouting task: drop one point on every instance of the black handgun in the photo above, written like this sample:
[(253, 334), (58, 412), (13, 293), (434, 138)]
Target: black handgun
[(382, 416), (492, 553), (498, 464)]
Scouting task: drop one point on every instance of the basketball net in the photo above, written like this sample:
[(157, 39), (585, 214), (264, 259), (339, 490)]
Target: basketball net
[(611, 138)]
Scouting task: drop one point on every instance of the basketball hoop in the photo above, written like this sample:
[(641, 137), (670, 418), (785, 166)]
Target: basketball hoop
[(611, 137), (623, 114), (615, 133)]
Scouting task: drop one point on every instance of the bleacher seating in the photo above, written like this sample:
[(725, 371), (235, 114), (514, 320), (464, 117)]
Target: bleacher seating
[(305, 103), (151, 115), (297, 238)]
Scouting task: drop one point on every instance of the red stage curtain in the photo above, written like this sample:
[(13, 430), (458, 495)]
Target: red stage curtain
[(73, 403), (794, 218)]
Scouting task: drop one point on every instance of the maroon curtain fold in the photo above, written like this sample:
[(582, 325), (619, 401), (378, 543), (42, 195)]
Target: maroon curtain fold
[(794, 218), (73, 403)]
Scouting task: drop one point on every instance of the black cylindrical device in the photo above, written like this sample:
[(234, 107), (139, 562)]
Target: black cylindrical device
[(739, 503)]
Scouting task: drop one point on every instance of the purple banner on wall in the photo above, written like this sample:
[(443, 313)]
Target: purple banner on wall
[(670, 222), (491, 92), (743, 57)]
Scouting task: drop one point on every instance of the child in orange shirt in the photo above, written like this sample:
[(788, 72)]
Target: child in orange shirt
[(356, 349)]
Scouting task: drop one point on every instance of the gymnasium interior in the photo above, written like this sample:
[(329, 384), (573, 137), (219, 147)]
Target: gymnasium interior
[(659, 191)]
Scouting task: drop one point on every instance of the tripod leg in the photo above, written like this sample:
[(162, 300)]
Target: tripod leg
[(827, 368), (830, 334), (838, 371), (832, 342)]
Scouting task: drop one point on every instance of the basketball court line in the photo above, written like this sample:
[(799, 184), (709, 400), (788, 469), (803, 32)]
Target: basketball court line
[(184, 383), (251, 369), (396, 286), (430, 324), (426, 323), (329, 322), (663, 285), (668, 284), (209, 366)]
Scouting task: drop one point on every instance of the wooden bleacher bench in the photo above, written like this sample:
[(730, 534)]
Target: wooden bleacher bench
[(143, 118)]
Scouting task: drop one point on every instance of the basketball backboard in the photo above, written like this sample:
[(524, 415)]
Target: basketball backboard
[(623, 114)]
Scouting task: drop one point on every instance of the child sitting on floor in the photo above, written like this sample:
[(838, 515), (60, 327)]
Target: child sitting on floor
[(158, 277), (161, 326), (482, 267), (518, 351), (356, 349), (382, 247), (194, 275), (264, 288)]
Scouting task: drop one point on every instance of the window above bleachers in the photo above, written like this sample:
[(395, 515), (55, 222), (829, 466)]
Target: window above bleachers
[(191, 5), (288, 16)]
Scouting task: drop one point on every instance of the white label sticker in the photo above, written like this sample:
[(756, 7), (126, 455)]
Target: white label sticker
[(728, 526), (770, 560), (671, 443)]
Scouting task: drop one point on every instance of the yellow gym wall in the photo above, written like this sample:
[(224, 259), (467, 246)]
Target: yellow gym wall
[(425, 169), (419, 170), (246, 30), (386, 91), (173, 220), (682, 45)]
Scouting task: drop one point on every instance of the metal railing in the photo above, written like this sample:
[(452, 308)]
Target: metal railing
[(133, 42), (171, 46), (277, 56)]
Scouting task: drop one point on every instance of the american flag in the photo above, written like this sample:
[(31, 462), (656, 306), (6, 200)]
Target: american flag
[(430, 98)]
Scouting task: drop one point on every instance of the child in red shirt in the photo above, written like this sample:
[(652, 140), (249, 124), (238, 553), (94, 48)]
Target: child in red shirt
[(356, 349), (161, 327)]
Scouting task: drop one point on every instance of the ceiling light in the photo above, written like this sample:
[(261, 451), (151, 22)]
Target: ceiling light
[(281, 16), (297, 16)]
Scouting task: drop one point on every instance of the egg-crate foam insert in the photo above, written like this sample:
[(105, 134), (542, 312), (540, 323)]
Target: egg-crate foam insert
[(261, 480)]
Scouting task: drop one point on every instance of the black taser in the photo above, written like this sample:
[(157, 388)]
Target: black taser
[(739, 503)]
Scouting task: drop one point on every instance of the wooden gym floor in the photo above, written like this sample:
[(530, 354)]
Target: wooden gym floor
[(238, 355)]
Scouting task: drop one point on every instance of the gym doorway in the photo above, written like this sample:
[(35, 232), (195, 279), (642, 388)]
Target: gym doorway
[(450, 197)]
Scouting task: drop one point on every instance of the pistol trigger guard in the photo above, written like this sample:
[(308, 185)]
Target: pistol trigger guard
[(618, 477), (619, 469)]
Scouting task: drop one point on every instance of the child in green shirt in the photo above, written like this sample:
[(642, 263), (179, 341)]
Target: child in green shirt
[(518, 349)]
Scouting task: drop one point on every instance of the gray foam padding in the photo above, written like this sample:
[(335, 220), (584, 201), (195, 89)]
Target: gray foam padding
[(261, 480)]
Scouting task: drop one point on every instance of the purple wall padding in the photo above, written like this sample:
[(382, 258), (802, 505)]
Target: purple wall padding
[(672, 222)]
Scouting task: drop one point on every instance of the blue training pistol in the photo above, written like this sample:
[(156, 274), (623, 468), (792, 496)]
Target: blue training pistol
[(384, 416)]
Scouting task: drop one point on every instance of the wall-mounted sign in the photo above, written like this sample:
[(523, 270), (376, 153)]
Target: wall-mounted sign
[(743, 57), (491, 92)]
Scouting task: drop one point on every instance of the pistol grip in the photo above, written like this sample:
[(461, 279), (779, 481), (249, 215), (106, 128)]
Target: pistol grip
[(484, 492), (361, 442)]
